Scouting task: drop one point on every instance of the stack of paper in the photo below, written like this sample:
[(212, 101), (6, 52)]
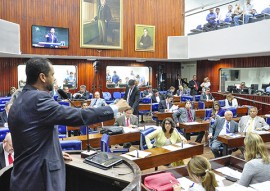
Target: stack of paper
[(191, 123), (233, 135), (263, 186), (262, 132), (171, 148), (185, 183), (130, 130), (235, 187), (229, 172), (184, 145), (136, 154)]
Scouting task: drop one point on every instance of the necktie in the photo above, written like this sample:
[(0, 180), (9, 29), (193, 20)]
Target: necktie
[(168, 106), (227, 127), (250, 125), (129, 93), (196, 85), (190, 118), (10, 159), (95, 102), (179, 82), (127, 122)]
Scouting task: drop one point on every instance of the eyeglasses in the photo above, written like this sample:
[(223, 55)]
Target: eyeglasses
[(167, 123)]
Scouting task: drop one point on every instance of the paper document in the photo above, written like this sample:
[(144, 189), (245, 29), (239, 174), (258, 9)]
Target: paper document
[(148, 126), (185, 183), (130, 130), (128, 157), (262, 132), (173, 109), (235, 187), (138, 154), (171, 148), (233, 135), (184, 145), (263, 186), (191, 123), (229, 172)]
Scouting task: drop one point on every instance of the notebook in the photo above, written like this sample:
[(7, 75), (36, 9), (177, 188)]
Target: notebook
[(103, 160)]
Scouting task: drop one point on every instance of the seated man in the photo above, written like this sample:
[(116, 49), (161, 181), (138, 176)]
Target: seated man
[(181, 91), (128, 119), (148, 92), (252, 122), (4, 115), (82, 94), (184, 115), (165, 105), (211, 20), (97, 101), (156, 97), (207, 96), (222, 126), (66, 90), (6, 152)]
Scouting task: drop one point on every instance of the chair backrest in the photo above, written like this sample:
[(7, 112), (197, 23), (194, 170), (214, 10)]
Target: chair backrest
[(65, 103), (185, 98), (146, 100), (201, 105), (3, 132), (145, 132), (62, 129), (268, 120), (123, 94), (208, 113), (107, 95), (221, 103), (155, 106), (90, 95), (83, 130), (71, 145), (241, 111), (233, 110), (197, 97), (104, 143), (116, 95)]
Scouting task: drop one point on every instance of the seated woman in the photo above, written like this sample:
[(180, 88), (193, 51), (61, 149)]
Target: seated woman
[(199, 169), (257, 168), (217, 111), (230, 101), (167, 135)]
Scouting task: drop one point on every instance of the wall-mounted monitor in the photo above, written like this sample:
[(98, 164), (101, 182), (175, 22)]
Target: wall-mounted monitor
[(65, 76), (49, 37)]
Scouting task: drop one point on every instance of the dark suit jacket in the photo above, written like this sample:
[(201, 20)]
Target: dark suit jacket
[(38, 163), (68, 94), (216, 128), (154, 99), (134, 99), (120, 121), (193, 91), (181, 116), (176, 83), (85, 95), (162, 105), (2, 157), (203, 97), (3, 118)]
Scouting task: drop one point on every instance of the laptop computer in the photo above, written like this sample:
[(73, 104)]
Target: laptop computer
[(103, 160)]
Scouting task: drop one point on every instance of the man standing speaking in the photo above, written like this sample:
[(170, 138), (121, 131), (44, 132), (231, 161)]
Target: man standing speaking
[(38, 161)]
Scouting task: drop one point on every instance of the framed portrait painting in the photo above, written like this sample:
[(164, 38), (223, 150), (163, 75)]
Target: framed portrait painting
[(101, 24), (144, 38)]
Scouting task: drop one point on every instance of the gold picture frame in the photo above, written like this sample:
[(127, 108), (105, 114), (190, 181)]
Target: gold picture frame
[(144, 38), (101, 23)]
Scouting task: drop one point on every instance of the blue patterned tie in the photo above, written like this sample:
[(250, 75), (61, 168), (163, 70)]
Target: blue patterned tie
[(227, 127)]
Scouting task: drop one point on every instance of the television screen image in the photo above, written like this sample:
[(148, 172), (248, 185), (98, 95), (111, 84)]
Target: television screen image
[(49, 37)]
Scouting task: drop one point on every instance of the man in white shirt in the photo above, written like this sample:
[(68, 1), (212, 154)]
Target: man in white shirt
[(222, 126), (252, 122), (6, 152)]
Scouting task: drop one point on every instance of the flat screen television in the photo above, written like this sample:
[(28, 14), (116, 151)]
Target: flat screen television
[(49, 37)]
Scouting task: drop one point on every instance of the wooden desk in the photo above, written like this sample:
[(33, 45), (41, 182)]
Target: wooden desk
[(78, 102), (197, 127), (231, 142), (176, 99), (161, 156), (181, 171), (161, 116), (94, 139), (208, 104)]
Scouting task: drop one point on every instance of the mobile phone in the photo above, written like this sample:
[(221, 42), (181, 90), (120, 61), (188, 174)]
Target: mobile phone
[(231, 178)]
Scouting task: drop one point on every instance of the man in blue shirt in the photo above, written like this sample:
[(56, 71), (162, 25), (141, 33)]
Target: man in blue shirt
[(211, 19), (115, 78)]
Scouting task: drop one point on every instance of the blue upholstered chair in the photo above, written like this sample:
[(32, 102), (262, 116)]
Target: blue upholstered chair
[(71, 145), (233, 110), (3, 132), (268, 120), (197, 97), (201, 105), (155, 106), (145, 132), (146, 100), (105, 145), (4, 100), (221, 103), (64, 103), (117, 95), (2, 107), (108, 97), (185, 98), (208, 113), (83, 130), (123, 94), (90, 95), (62, 131)]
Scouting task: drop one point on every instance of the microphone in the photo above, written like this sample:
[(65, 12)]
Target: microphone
[(65, 96)]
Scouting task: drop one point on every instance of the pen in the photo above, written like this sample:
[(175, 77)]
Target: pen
[(137, 154), (192, 185), (182, 144)]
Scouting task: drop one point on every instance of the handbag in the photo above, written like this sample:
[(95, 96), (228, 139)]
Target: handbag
[(161, 182), (111, 130)]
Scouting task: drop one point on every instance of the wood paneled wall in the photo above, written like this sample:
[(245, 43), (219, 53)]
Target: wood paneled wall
[(165, 15), (86, 73), (212, 68)]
